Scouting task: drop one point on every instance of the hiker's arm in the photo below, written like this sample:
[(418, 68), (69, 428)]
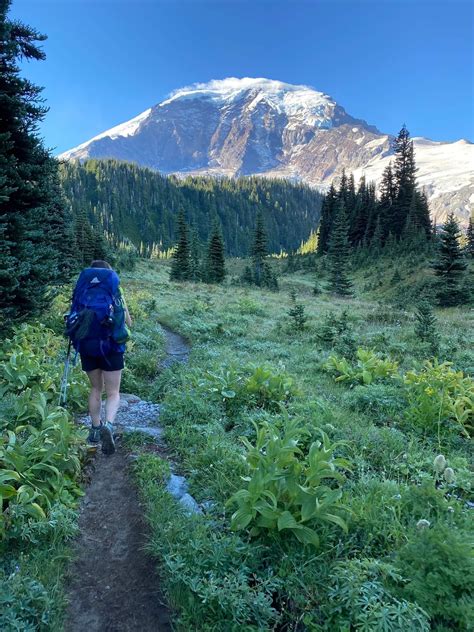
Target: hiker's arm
[(128, 318)]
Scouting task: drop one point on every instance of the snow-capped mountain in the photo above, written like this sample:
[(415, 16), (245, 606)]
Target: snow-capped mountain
[(258, 126)]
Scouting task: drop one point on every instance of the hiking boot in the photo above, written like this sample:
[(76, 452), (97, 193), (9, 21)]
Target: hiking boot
[(94, 434), (107, 438)]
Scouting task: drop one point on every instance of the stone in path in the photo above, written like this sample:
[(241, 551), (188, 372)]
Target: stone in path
[(113, 586)]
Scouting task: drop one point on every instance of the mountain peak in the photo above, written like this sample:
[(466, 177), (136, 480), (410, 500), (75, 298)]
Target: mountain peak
[(232, 87), (253, 125), (284, 98)]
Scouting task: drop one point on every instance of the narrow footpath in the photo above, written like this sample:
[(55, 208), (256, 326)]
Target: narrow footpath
[(114, 586)]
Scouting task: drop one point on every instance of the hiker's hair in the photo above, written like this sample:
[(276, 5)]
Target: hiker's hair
[(98, 263)]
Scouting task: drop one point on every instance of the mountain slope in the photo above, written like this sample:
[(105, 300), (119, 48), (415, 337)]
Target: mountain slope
[(135, 203), (249, 126)]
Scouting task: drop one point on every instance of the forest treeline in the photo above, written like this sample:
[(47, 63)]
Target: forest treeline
[(141, 206)]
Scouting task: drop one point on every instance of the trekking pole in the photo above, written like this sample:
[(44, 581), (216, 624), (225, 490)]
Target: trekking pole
[(64, 379)]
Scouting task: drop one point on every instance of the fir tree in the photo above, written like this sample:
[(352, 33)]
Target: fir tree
[(470, 239), (215, 261), (195, 256), (34, 237), (388, 193), (338, 254), (327, 218), (297, 313), (405, 181), (425, 326), (84, 239), (259, 250), (376, 241), (181, 261), (450, 266)]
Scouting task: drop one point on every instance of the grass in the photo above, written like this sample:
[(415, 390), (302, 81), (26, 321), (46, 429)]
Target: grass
[(277, 583)]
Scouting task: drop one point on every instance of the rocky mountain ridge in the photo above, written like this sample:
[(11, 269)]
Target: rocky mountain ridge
[(269, 128)]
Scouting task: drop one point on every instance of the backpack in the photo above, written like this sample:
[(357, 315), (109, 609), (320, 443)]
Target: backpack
[(96, 322)]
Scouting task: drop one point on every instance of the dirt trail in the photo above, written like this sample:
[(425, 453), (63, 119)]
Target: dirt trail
[(114, 586)]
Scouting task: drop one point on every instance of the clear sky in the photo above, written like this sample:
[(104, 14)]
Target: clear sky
[(387, 61)]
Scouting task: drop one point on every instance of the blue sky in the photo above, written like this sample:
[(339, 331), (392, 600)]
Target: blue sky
[(387, 61)]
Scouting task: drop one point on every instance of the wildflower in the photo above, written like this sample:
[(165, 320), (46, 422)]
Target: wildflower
[(439, 463), (449, 475), (423, 524)]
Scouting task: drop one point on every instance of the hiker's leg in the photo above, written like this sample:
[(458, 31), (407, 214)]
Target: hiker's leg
[(112, 389), (95, 396)]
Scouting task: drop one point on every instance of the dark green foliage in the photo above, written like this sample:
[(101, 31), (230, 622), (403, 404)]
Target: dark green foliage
[(361, 590), (425, 326), (337, 333), (438, 564), (338, 255), (195, 256), (470, 239), (388, 193), (127, 201), (296, 313), (260, 272), (259, 250), (215, 261), (399, 219), (327, 217), (34, 238), (181, 263), (450, 265), (405, 181)]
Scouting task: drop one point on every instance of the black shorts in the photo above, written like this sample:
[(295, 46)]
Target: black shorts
[(111, 362)]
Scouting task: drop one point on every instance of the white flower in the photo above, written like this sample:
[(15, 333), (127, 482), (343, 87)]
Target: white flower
[(439, 463), (449, 475), (423, 524)]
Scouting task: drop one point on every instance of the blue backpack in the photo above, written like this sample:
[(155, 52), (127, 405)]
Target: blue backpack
[(96, 322)]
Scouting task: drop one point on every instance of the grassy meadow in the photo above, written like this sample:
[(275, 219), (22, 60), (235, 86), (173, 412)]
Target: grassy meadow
[(332, 462)]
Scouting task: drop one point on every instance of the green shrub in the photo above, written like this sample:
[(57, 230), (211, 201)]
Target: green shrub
[(267, 388), (338, 334), (379, 400), (370, 367), (286, 489), (39, 467), (440, 399), (31, 360), (212, 578), (263, 388), (25, 604), (359, 598), (438, 563)]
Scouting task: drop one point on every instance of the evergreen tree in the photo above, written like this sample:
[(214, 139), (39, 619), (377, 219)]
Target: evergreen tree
[(425, 325), (470, 239), (296, 313), (215, 261), (181, 261), (338, 254), (388, 194), (195, 256), (327, 218), (376, 241), (259, 250), (84, 239), (450, 266), (34, 237), (405, 181)]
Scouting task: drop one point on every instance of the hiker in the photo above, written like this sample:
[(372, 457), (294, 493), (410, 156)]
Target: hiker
[(97, 327)]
